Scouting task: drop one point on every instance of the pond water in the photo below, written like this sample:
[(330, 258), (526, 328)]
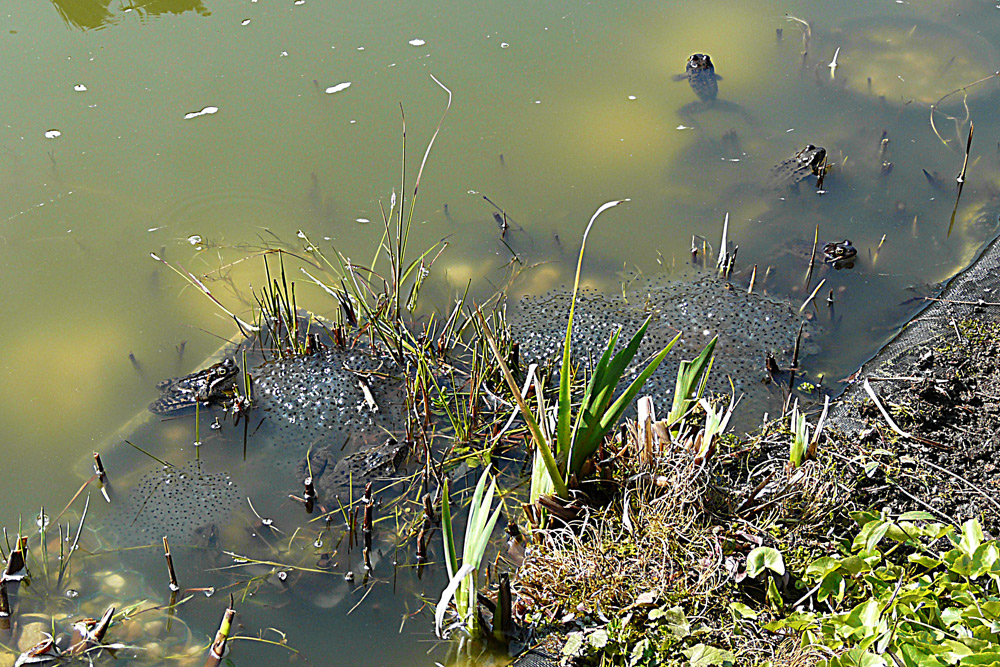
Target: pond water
[(204, 131)]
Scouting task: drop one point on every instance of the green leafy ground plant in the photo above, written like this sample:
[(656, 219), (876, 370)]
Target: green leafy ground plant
[(906, 592)]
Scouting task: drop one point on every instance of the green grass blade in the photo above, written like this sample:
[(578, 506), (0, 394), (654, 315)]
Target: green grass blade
[(544, 449), (563, 425), (451, 554), (688, 377)]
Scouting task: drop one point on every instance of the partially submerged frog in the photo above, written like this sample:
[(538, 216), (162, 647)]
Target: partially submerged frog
[(333, 472), (208, 385), (841, 255), (700, 75), (807, 162)]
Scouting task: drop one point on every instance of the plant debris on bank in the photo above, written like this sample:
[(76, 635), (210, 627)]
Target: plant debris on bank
[(873, 551)]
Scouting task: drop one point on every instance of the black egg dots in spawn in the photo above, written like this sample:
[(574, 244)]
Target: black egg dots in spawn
[(748, 325), (175, 502), (319, 399)]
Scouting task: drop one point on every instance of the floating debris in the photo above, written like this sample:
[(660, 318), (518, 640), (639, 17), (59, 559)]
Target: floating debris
[(417, 42), (207, 111), (52, 134), (339, 87)]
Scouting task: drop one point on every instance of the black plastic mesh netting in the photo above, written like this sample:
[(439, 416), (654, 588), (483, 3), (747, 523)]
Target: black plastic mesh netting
[(972, 294), (536, 658)]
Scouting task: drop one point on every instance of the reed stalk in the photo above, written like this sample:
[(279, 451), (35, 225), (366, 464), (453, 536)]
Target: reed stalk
[(218, 648)]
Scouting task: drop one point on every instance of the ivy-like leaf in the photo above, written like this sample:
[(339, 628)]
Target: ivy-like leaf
[(763, 558), (701, 655)]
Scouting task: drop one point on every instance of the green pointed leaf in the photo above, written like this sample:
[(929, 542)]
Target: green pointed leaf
[(451, 560)]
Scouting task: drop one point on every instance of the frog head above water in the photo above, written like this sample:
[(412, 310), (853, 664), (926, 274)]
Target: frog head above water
[(699, 61), (811, 157), (840, 254)]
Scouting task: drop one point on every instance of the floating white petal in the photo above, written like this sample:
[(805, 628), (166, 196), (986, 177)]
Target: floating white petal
[(339, 87)]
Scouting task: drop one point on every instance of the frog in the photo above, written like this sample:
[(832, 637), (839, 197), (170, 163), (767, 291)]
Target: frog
[(841, 255), (700, 75), (333, 472), (209, 385), (807, 162)]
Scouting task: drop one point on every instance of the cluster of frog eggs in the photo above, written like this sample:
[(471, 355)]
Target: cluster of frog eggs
[(173, 502), (316, 400), (748, 325)]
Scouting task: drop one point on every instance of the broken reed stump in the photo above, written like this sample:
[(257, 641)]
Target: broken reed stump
[(5, 613), (16, 568), (366, 524), (170, 566), (309, 495), (88, 633), (102, 477), (218, 648)]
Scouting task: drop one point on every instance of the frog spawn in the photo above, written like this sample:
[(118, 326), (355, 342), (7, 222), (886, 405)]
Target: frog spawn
[(177, 502), (318, 400), (748, 326)]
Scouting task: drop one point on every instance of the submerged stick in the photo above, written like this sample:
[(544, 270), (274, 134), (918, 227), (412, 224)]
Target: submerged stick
[(366, 525), (812, 259), (102, 477), (961, 176), (218, 648), (170, 565)]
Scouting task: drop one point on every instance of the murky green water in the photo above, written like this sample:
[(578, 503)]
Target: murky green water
[(557, 108)]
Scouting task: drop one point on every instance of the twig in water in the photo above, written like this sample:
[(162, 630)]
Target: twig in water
[(833, 63), (812, 296), (170, 565), (102, 477), (812, 258), (218, 648), (961, 176), (720, 263), (934, 107)]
